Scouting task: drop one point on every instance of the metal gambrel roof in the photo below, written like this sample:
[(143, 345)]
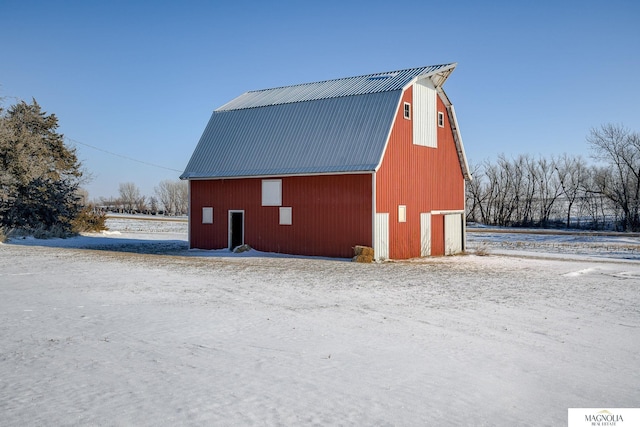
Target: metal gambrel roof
[(349, 86), (324, 136), (334, 126)]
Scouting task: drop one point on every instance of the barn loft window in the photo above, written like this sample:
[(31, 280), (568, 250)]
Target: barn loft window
[(402, 213), (440, 119), (407, 111), (286, 217), (271, 192), (207, 215)]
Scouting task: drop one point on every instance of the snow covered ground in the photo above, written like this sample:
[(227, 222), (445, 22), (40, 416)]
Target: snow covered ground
[(566, 244), (131, 328)]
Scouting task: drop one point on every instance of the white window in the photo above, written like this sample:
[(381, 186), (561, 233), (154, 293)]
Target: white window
[(402, 213), (271, 192), (407, 111), (440, 119), (207, 215), (286, 217)]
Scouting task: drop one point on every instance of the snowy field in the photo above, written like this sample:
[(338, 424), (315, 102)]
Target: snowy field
[(129, 327)]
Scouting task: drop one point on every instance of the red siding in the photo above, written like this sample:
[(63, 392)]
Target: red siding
[(422, 178), (331, 214), (437, 235)]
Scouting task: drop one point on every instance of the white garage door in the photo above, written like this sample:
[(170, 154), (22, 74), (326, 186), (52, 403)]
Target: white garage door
[(381, 240), (452, 234), (425, 234)]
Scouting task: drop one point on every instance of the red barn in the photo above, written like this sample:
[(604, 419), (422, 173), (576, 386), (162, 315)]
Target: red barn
[(317, 168)]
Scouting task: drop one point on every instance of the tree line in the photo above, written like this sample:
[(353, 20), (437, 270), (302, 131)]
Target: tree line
[(566, 191), (170, 198)]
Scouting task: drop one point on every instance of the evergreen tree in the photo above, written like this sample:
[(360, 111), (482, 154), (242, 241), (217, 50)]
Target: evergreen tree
[(39, 174)]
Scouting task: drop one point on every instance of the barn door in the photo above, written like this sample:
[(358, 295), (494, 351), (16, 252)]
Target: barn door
[(425, 234), (236, 229), (453, 234), (381, 239)]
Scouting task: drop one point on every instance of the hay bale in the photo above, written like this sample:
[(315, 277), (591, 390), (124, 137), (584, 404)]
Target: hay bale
[(362, 258), (363, 250)]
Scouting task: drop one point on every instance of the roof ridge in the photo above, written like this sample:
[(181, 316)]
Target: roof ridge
[(395, 73), (387, 81)]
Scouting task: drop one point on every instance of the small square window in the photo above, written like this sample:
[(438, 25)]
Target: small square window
[(286, 217), (402, 213), (207, 215), (440, 119), (407, 111)]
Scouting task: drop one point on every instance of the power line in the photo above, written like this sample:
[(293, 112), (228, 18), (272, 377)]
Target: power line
[(120, 155)]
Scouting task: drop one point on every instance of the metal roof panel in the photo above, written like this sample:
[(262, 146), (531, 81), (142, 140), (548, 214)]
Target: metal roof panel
[(328, 135)]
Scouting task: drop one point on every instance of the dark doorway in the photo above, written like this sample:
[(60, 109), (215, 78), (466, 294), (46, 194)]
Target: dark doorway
[(236, 229)]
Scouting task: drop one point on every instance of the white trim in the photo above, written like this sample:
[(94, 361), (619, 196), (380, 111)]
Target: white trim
[(459, 144), (449, 69), (457, 137), (464, 217), (440, 119), (445, 212), (373, 208), (232, 211), (189, 213), (282, 176)]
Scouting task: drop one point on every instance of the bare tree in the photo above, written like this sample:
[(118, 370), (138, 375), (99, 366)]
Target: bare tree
[(475, 195), (591, 202), (523, 191), (527, 191), (527, 188), (573, 175), (549, 189), (164, 194), (153, 205), (173, 196), (182, 190), (619, 148), (495, 192), (167, 196), (130, 195), (141, 204)]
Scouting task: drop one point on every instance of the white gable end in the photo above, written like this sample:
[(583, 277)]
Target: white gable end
[(424, 114)]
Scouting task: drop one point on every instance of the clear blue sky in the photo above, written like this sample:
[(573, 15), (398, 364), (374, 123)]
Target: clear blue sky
[(141, 78)]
